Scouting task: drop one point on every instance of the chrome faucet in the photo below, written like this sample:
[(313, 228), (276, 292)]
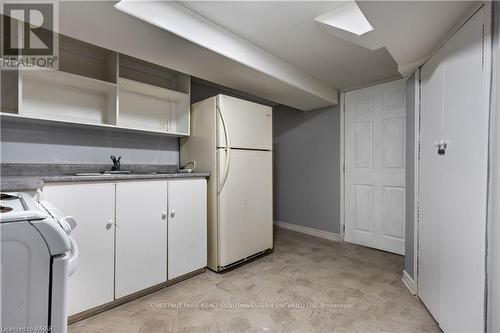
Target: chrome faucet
[(116, 163)]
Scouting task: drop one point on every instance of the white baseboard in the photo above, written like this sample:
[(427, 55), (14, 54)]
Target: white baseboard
[(309, 231), (409, 283)]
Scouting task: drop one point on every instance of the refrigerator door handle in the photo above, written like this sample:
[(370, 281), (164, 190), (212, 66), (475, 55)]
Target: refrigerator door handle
[(221, 115), (227, 149), (226, 169)]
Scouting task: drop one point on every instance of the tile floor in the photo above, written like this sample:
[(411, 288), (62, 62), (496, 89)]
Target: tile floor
[(306, 285)]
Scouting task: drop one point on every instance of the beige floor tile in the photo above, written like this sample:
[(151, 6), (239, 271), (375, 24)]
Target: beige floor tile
[(306, 285)]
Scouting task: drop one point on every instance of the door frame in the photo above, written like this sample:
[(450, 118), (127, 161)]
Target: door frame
[(416, 177), (342, 165)]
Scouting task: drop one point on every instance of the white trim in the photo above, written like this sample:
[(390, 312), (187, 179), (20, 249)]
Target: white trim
[(416, 175), (409, 283), (309, 231), (342, 163), (466, 17)]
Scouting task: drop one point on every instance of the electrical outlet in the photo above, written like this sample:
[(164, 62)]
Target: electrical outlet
[(163, 125)]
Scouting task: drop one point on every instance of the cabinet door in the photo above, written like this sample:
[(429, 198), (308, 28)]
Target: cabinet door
[(141, 235), (187, 226), (453, 183), (431, 185), (465, 177), (93, 207)]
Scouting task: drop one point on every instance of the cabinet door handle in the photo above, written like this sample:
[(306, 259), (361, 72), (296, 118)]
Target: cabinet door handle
[(172, 213), (109, 225), (164, 215)]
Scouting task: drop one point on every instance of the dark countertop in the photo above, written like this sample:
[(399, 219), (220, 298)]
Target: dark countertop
[(24, 183), (20, 183), (32, 177)]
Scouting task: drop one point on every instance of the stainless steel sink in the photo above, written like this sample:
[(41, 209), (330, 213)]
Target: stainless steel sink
[(105, 173)]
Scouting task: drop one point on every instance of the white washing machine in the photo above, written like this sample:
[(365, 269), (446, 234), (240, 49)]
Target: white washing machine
[(37, 257)]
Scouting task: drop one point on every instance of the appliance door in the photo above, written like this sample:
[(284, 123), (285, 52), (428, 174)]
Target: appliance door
[(245, 204), (25, 273), (59, 298), (242, 124)]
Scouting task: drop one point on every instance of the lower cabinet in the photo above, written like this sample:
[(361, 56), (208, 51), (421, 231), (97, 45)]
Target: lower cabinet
[(141, 235), (159, 233), (187, 226), (93, 206)]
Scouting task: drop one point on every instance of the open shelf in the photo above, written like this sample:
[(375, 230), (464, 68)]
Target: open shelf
[(88, 60), (11, 117), (9, 91), (101, 88), (150, 107), (59, 95), (152, 74)]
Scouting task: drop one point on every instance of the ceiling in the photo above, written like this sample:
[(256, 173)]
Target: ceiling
[(404, 33), (271, 49), (288, 31)]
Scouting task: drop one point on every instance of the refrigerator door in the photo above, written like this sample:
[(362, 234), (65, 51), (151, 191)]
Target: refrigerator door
[(245, 204), (242, 124)]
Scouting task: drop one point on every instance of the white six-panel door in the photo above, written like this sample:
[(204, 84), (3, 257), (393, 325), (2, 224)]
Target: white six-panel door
[(375, 166)]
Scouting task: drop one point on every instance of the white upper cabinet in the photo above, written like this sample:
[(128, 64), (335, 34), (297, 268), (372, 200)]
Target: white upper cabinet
[(187, 226), (93, 207), (141, 235)]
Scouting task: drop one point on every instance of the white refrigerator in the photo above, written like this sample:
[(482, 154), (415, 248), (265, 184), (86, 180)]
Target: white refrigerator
[(232, 139)]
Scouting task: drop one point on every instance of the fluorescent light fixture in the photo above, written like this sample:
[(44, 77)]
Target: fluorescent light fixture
[(347, 17)]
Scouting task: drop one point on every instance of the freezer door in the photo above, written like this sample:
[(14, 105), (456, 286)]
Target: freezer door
[(242, 124), (245, 205)]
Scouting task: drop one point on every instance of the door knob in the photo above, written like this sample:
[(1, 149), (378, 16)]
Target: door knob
[(164, 215), (441, 147), (109, 225), (172, 213)]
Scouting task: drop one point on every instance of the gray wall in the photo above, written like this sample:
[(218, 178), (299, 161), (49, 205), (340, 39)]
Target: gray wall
[(52, 143), (201, 89), (410, 175), (37, 143), (307, 167), (494, 200)]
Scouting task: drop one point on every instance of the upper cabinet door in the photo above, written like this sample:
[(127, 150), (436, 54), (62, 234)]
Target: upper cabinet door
[(187, 226), (93, 207), (141, 235), (242, 124)]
